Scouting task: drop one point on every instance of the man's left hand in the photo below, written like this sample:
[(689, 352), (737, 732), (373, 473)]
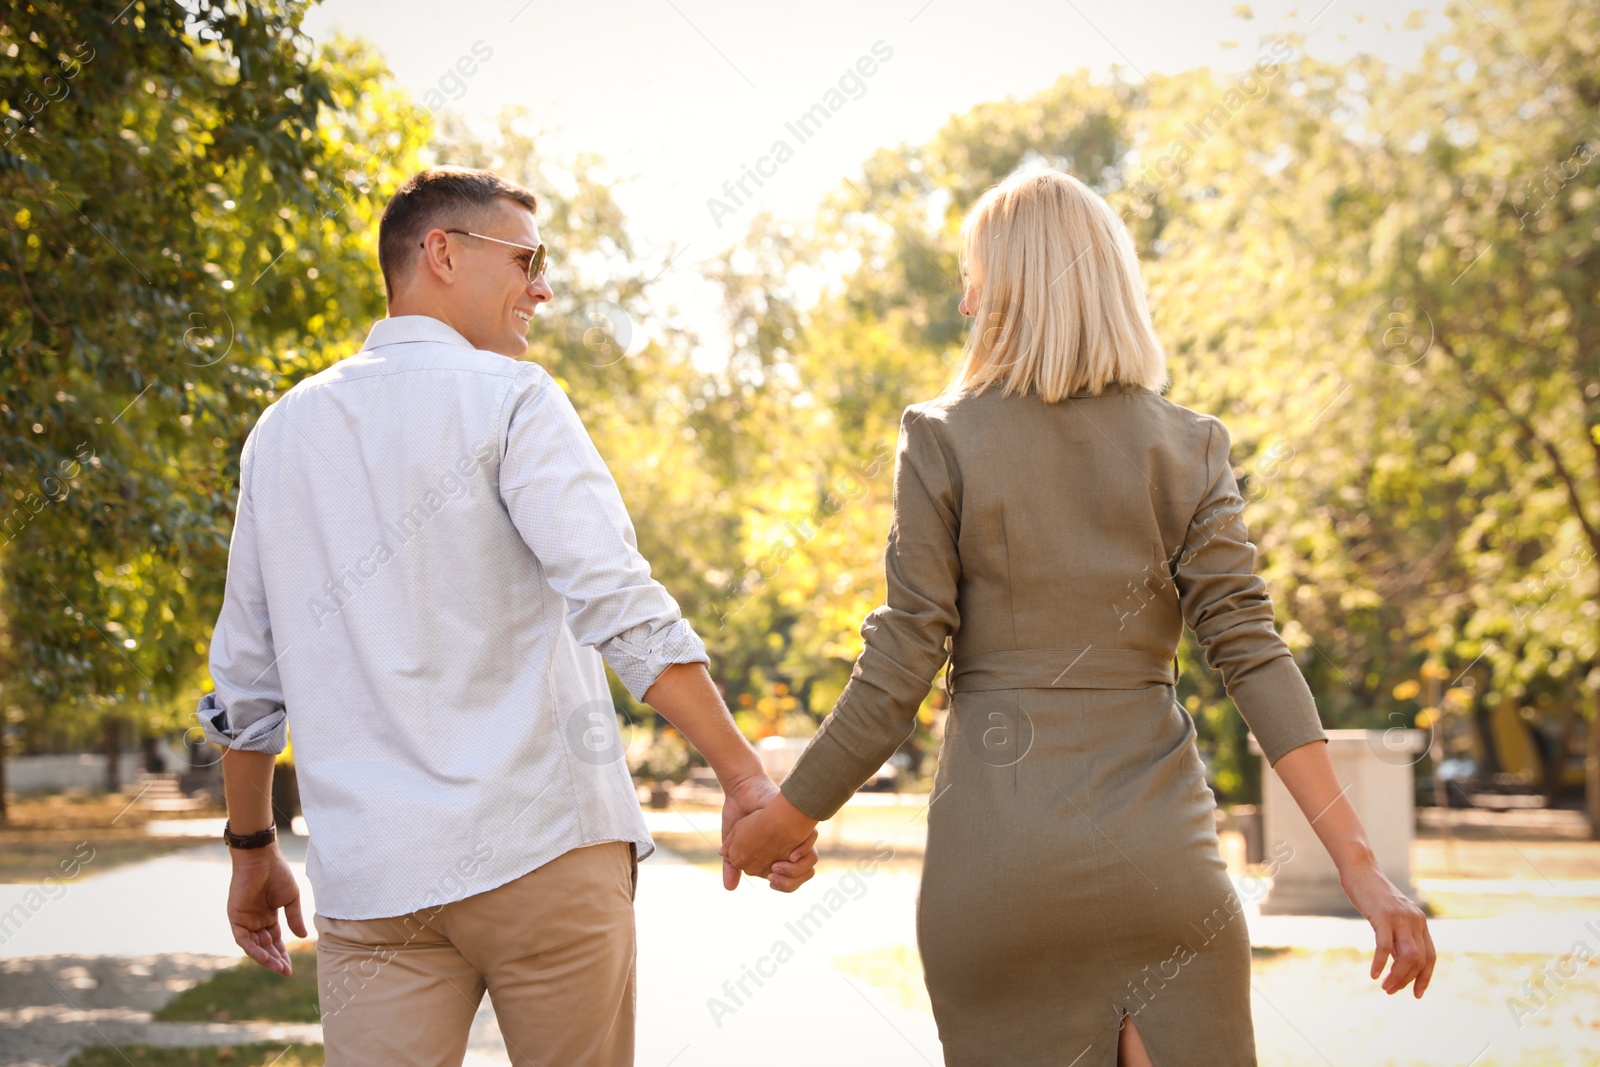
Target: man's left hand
[(261, 885)]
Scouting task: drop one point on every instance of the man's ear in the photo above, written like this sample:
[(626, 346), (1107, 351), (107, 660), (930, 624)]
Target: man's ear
[(435, 257)]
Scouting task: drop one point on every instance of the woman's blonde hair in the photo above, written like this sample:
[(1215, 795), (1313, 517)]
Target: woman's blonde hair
[(1061, 306)]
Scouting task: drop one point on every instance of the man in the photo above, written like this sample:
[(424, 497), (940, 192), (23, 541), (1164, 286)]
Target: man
[(429, 559)]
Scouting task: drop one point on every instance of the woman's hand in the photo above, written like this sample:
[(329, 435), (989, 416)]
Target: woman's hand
[(773, 842), (1399, 925)]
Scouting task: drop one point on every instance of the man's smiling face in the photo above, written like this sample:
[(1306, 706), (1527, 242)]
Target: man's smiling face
[(491, 302)]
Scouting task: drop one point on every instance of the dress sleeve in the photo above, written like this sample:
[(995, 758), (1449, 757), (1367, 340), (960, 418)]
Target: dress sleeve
[(1226, 604), (904, 639)]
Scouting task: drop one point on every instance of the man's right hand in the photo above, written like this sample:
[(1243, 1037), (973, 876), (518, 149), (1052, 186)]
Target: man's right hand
[(685, 696), (749, 795)]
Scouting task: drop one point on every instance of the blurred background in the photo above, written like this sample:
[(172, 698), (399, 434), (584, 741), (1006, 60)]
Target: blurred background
[(1371, 237)]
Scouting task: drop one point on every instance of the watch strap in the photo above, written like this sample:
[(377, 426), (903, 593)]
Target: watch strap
[(259, 839)]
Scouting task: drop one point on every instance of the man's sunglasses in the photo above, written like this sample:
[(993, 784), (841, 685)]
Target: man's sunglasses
[(536, 262)]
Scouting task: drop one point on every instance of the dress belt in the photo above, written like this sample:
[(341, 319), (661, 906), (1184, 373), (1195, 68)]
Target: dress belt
[(1062, 668)]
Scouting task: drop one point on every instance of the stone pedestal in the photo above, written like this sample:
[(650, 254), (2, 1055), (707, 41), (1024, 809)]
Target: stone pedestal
[(1376, 766)]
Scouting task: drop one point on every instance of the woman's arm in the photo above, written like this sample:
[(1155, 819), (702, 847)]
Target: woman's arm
[(1226, 604), (903, 639), (904, 647), (1400, 926)]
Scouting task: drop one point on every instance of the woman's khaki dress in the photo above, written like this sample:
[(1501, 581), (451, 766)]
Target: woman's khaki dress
[(1072, 873)]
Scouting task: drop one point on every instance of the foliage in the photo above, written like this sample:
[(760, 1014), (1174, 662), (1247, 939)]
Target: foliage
[(1409, 427), (664, 757), (190, 228), (1385, 281)]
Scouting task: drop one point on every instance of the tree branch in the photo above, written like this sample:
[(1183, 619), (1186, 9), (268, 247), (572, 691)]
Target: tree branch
[(1532, 437), (22, 283)]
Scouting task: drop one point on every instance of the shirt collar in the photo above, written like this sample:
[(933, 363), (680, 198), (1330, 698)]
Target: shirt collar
[(410, 329)]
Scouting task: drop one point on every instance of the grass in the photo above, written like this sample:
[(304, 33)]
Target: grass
[(66, 836), (84, 810), (254, 1055), (33, 857), (895, 970), (1466, 1012), (248, 993), (1488, 906), (1500, 858)]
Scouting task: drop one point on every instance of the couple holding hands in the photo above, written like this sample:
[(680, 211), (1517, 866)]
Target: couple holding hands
[(467, 835)]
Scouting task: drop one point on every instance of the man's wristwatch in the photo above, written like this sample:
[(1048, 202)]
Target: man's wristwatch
[(259, 839)]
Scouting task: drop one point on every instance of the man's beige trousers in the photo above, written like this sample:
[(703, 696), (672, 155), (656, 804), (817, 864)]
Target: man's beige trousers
[(554, 949)]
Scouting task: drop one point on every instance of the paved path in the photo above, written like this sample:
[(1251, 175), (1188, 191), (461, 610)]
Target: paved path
[(50, 1006), (740, 978), (92, 964)]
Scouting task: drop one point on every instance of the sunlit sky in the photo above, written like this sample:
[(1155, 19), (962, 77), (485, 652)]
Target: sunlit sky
[(679, 96)]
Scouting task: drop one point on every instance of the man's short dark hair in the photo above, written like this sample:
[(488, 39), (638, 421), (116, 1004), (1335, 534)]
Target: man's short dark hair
[(439, 196)]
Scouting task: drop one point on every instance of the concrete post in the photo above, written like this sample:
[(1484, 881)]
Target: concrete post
[(1375, 766)]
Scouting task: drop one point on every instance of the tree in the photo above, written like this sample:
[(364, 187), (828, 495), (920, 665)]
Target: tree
[(1299, 224), (1493, 233), (190, 200)]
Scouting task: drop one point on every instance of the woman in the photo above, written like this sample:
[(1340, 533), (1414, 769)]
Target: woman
[(1060, 521)]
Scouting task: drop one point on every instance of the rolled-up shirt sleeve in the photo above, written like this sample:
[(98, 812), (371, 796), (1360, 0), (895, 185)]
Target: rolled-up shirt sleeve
[(245, 710), (564, 502)]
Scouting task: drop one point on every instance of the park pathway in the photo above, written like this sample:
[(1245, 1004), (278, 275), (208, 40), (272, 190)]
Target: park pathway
[(724, 979), (90, 966)]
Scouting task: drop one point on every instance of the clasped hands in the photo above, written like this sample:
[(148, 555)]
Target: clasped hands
[(765, 836)]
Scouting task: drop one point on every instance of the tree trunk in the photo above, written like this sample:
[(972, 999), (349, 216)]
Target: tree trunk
[(1591, 768), (1554, 765), (285, 796), (1483, 723), (113, 747), (5, 745)]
